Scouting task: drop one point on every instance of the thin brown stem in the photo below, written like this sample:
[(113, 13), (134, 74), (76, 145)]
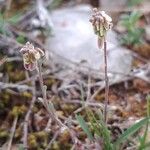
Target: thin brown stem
[(106, 82), (49, 106)]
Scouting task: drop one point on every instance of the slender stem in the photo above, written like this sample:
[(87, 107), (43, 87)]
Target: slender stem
[(148, 106), (49, 106), (12, 133), (41, 81), (106, 82)]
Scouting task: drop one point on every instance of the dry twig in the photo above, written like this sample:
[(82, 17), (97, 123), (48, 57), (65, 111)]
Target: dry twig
[(12, 133), (25, 128)]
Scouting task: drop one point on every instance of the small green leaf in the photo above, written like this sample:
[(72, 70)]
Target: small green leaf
[(131, 130), (21, 39), (134, 2), (143, 138), (146, 146), (14, 19), (84, 126), (20, 147), (134, 17)]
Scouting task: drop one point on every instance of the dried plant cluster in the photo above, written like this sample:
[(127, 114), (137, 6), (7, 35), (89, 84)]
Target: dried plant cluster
[(30, 56), (101, 24)]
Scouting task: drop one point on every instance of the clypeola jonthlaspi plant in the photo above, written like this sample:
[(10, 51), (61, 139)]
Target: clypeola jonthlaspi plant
[(32, 61), (101, 23), (97, 127)]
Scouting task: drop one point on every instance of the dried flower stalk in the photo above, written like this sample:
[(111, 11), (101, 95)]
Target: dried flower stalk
[(101, 23), (31, 57)]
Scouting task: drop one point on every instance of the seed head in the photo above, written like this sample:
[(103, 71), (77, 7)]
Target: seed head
[(30, 56), (101, 23)]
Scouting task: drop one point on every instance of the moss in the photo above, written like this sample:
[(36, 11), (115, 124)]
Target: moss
[(4, 100), (68, 108), (38, 140), (56, 103), (55, 146), (2, 106), (42, 137), (14, 71), (5, 97), (19, 110), (16, 76), (8, 67), (35, 109), (41, 134), (4, 134), (18, 133), (64, 137), (49, 81), (26, 94), (32, 141)]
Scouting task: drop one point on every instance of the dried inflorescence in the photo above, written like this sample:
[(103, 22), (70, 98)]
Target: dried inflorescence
[(101, 24), (30, 56)]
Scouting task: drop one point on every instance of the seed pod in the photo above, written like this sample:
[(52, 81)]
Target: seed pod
[(30, 56), (101, 23), (101, 31), (95, 29), (100, 42)]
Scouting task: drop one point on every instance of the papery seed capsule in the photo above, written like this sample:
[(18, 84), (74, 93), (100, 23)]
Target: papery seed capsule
[(95, 10), (101, 31), (93, 22), (100, 42), (95, 29), (101, 23), (97, 25), (106, 26)]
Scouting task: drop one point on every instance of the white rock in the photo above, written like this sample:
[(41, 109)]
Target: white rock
[(74, 40)]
